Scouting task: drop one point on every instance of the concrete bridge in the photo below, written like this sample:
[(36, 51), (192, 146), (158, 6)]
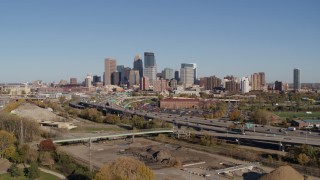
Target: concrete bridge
[(132, 134)]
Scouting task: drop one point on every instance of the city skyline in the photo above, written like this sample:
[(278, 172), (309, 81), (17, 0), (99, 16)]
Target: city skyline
[(56, 40)]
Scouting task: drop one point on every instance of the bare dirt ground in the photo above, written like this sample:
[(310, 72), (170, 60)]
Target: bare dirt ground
[(157, 156), (36, 113)]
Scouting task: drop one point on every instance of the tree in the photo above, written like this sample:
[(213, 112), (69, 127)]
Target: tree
[(33, 171), (262, 116), (7, 141), (235, 115), (303, 159), (46, 159), (125, 168), (14, 170)]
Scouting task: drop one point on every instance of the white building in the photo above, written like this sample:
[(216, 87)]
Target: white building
[(245, 85), (88, 81)]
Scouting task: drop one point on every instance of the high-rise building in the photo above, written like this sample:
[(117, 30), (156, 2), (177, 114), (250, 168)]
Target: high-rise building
[(167, 73), (150, 67), (186, 76), (110, 67), (160, 85), (296, 79), (245, 85), (176, 75), (258, 81), (96, 79), (134, 78), (280, 86), (126, 74), (120, 68), (73, 81), (210, 83), (173, 83), (194, 66), (138, 65), (116, 78), (88, 81), (144, 85), (232, 86), (149, 59)]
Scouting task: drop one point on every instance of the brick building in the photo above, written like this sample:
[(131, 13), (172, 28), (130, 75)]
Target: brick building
[(179, 103)]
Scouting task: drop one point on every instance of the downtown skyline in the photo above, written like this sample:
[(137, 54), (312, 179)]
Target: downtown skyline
[(58, 40)]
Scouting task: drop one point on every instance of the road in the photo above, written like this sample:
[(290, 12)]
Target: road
[(263, 133)]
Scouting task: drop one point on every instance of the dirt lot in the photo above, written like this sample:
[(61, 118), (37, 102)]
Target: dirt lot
[(160, 158)]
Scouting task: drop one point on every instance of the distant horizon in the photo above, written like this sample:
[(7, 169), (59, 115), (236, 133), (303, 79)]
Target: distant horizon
[(54, 40)]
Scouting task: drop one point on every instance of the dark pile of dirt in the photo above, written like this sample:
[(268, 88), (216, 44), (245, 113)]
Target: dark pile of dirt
[(283, 172)]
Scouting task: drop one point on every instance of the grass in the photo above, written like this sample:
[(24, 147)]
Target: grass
[(43, 176), (288, 114)]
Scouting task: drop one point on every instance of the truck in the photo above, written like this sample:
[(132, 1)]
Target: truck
[(291, 129)]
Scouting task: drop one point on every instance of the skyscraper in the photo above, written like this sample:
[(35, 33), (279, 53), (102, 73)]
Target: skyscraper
[(88, 81), (134, 78), (149, 59), (296, 79), (194, 67), (138, 65), (176, 75), (110, 67), (167, 73), (258, 81), (150, 67), (186, 76), (120, 68)]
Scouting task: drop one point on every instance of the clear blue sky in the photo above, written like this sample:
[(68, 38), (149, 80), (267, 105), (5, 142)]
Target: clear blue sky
[(58, 39)]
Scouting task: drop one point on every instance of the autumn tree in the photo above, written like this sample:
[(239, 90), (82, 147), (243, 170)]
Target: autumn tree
[(303, 159), (125, 168), (47, 145), (235, 115), (7, 141), (112, 119), (262, 116)]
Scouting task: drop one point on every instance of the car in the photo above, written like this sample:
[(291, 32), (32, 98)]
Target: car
[(269, 130)]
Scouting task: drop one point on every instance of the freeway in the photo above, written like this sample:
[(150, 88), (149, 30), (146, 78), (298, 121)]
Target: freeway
[(263, 133)]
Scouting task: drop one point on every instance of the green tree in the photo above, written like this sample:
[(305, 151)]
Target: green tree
[(33, 171), (14, 170), (125, 168)]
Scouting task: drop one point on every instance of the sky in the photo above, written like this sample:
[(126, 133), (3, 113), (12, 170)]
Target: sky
[(53, 40)]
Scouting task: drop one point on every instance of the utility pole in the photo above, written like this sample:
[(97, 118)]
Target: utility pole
[(21, 132), (90, 163)]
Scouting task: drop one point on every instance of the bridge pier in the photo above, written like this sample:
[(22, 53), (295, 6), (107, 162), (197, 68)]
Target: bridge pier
[(132, 138)]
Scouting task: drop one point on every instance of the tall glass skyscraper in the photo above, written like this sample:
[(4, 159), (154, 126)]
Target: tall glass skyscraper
[(150, 67), (138, 65), (296, 79)]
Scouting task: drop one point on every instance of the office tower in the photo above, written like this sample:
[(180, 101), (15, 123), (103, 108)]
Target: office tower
[(126, 74), (194, 66), (88, 81), (73, 81), (144, 85), (186, 76), (150, 67), (176, 75), (210, 83), (167, 73), (120, 68), (110, 67), (258, 81), (134, 78), (296, 79), (245, 85), (115, 78), (138, 65), (149, 59), (96, 79)]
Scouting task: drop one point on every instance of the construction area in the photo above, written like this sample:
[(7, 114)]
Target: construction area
[(166, 160)]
